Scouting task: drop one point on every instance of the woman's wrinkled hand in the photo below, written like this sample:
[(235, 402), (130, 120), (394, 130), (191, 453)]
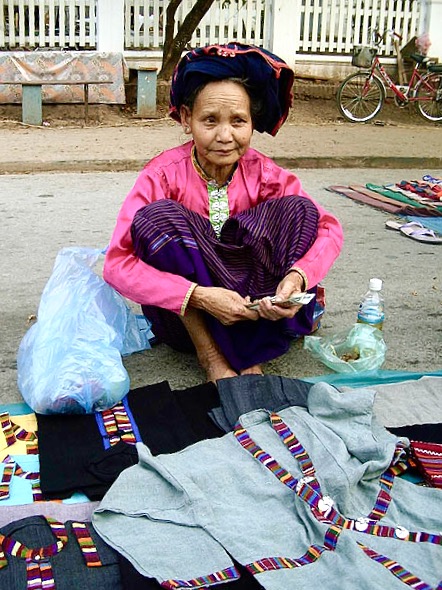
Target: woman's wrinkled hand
[(226, 306), (290, 284)]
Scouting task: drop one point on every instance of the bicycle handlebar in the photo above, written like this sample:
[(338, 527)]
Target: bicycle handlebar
[(379, 38)]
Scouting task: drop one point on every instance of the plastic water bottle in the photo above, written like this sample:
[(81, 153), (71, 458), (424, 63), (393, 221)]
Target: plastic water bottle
[(371, 307)]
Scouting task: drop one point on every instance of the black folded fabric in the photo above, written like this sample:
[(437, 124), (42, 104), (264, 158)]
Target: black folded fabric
[(196, 403), (431, 433), (72, 450), (65, 443)]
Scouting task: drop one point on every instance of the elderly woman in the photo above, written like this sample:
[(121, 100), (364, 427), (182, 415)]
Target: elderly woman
[(212, 225)]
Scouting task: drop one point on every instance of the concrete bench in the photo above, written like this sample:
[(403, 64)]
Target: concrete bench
[(32, 104)]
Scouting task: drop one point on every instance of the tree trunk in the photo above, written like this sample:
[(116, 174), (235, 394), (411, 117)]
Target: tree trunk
[(174, 46)]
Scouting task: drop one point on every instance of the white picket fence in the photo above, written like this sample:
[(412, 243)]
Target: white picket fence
[(327, 27), (334, 26), (31, 24), (246, 21)]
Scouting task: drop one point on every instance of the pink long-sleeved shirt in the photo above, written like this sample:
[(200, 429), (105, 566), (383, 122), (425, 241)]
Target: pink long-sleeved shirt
[(172, 175)]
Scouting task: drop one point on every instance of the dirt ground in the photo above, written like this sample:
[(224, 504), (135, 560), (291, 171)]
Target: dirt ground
[(114, 132), (306, 110)]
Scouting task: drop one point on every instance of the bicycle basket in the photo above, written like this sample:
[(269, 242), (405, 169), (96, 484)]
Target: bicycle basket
[(363, 56)]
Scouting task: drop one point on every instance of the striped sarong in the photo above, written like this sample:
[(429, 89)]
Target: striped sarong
[(254, 251)]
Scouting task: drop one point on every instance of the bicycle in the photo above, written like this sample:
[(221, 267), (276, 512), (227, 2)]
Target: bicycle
[(361, 96)]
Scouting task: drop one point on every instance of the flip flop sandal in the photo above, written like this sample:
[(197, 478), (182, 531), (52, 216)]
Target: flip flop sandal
[(421, 234), (398, 225), (429, 178), (432, 179)]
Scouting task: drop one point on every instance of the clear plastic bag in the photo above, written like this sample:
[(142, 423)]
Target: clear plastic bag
[(362, 348), (70, 360)]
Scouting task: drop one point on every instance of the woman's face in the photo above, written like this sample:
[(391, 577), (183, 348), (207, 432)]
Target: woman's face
[(221, 126)]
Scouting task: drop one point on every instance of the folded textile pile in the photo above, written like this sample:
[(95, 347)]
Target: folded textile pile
[(421, 198), (205, 485), (327, 473)]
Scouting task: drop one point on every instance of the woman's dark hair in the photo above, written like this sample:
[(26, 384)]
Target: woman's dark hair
[(256, 100)]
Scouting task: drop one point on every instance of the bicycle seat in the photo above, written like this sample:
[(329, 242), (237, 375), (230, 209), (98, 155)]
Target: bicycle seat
[(420, 59), (437, 68)]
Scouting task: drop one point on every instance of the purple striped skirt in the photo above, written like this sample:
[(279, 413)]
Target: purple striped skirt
[(254, 252)]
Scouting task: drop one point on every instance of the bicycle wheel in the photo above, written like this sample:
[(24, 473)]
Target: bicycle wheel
[(360, 98), (428, 95)]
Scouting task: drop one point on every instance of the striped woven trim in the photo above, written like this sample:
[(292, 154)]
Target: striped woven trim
[(32, 476), (363, 525), (7, 428), (117, 424), (87, 546), (5, 482), (324, 512), (242, 436), (308, 490), (32, 448), (321, 506), (22, 434), (19, 472), (112, 420), (267, 564), (295, 448), (11, 547), (428, 457), (331, 537), (384, 497), (37, 494), (312, 554), (39, 576), (14, 432), (397, 570), (386, 480), (230, 573)]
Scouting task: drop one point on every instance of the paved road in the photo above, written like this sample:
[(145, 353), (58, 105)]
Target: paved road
[(45, 212), (117, 149)]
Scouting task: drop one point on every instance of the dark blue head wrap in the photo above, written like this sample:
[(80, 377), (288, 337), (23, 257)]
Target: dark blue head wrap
[(265, 74)]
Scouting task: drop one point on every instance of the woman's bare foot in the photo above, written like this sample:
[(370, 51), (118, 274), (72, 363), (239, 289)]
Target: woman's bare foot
[(214, 363), (254, 370), (209, 354), (215, 373)]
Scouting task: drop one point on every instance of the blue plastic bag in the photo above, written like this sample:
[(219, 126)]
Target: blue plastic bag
[(70, 360)]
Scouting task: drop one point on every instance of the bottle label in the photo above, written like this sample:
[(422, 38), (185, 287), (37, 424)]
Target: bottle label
[(370, 315)]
